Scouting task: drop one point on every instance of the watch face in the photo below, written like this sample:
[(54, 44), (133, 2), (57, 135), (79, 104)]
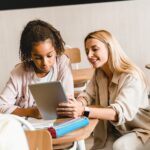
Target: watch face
[(86, 113)]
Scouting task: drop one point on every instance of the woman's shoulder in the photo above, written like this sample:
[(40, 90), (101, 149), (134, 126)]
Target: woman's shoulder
[(129, 76), (131, 79)]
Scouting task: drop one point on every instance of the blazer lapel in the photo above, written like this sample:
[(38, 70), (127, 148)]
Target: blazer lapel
[(102, 89)]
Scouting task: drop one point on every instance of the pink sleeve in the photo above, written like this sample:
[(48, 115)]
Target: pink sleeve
[(15, 93), (8, 97)]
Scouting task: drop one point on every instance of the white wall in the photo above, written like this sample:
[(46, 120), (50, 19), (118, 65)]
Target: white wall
[(128, 20)]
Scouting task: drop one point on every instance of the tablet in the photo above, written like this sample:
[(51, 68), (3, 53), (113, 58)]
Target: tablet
[(47, 96)]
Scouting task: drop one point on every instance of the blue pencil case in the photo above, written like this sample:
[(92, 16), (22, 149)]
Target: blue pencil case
[(68, 126)]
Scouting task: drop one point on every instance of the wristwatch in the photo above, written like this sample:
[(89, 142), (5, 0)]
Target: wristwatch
[(86, 111)]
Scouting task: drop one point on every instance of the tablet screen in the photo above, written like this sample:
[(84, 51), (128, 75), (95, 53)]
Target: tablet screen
[(47, 96)]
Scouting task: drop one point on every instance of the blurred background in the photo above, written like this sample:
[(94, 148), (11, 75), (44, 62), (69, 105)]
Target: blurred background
[(129, 21)]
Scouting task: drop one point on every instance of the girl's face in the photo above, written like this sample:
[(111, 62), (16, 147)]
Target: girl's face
[(43, 56), (97, 52)]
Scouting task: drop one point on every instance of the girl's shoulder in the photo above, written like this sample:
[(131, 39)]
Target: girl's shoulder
[(19, 69), (62, 59)]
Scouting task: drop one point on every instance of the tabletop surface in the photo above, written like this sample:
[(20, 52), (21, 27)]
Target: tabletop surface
[(78, 134)]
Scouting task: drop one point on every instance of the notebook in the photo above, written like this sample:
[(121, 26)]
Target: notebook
[(40, 123), (47, 96)]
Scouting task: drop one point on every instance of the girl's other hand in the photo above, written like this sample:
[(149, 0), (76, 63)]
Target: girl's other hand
[(34, 112)]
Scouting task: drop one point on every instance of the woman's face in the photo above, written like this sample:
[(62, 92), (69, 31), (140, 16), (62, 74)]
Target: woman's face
[(97, 52), (43, 56)]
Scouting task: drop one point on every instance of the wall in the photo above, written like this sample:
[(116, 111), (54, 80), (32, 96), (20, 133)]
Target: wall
[(128, 20)]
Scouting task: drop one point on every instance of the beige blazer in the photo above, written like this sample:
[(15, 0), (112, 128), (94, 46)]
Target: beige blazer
[(126, 94)]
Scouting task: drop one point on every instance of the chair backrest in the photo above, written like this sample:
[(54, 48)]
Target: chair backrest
[(75, 58), (39, 140), (74, 55)]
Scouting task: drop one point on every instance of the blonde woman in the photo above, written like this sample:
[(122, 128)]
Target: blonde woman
[(117, 95)]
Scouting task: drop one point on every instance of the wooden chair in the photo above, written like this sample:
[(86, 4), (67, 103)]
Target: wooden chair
[(39, 140), (74, 55), (75, 59)]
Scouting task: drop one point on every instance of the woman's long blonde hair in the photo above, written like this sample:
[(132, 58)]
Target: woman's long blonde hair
[(118, 61)]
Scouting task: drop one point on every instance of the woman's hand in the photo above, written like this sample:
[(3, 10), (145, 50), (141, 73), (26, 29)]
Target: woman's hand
[(72, 108)]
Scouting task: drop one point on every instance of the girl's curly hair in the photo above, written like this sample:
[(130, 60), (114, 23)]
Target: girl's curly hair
[(36, 31)]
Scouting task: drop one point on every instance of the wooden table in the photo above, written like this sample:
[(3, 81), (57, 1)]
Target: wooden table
[(81, 75), (76, 135), (35, 138)]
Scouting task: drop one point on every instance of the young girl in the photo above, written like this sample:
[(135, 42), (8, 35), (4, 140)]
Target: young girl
[(119, 92), (41, 53)]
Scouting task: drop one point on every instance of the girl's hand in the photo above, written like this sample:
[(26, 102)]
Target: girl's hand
[(27, 112), (72, 108), (34, 112)]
